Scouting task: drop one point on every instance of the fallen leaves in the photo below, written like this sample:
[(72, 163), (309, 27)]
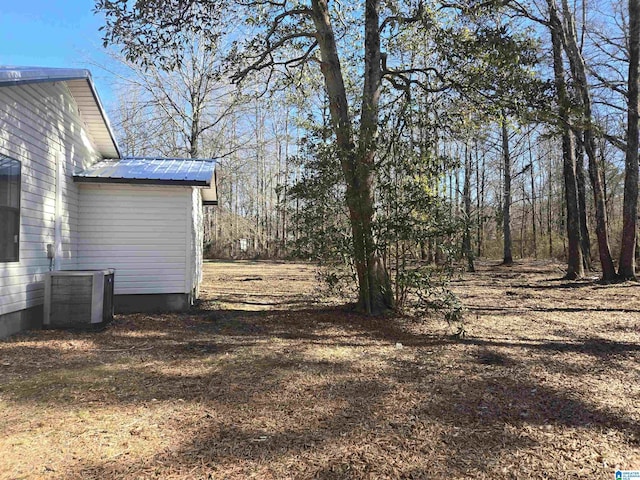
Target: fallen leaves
[(266, 381)]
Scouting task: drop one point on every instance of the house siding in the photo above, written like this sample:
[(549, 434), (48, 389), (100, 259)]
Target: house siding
[(40, 126), (140, 231), (197, 239)]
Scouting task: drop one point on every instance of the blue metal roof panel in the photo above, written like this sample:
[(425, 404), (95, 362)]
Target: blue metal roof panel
[(197, 172)]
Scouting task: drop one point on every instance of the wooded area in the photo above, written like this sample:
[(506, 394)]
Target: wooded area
[(429, 134)]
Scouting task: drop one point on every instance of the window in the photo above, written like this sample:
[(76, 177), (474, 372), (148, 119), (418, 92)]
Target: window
[(9, 209)]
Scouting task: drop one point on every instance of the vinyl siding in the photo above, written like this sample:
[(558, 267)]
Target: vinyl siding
[(141, 232), (197, 239), (40, 125)]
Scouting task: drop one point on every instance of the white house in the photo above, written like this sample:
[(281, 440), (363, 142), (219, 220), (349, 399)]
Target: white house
[(70, 201)]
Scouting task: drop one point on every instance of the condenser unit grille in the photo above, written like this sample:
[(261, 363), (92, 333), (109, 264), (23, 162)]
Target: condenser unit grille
[(78, 298)]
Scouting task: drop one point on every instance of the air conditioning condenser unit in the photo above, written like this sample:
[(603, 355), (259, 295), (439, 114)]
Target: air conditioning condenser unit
[(78, 298)]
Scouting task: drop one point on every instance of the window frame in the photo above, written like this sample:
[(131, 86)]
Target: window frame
[(16, 210)]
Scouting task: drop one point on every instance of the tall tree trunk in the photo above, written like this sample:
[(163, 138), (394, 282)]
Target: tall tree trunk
[(626, 267), (549, 202), (506, 202), (285, 199), (585, 239), (457, 187), (579, 70), (533, 204), (523, 223), (375, 294), (480, 180), (575, 266), (466, 193), (194, 135), (575, 263)]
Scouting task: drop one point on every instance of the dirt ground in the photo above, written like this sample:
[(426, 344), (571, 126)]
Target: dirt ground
[(268, 380)]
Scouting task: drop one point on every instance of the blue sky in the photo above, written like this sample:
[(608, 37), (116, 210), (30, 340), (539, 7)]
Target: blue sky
[(54, 33)]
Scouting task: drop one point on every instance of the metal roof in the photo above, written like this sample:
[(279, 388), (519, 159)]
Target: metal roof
[(16, 75), (84, 92), (154, 171)]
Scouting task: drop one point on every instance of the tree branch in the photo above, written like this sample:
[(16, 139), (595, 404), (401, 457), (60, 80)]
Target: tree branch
[(265, 59)]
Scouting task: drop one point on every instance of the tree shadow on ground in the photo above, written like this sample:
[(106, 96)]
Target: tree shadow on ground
[(510, 310), (323, 392), (597, 347), (565, 284), (474, 423)]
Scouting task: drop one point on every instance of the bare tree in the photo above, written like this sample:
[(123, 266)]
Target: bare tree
[(187, 107), (581, 84), (575, 265), (626, 267)]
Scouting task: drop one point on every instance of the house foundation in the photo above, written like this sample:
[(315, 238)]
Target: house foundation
[(166, 302), (14, 322)]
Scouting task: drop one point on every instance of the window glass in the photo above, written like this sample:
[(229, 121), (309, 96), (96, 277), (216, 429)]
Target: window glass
[(9, 209)]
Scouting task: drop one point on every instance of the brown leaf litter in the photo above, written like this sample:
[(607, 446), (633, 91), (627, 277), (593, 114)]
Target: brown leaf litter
[(268, 380)]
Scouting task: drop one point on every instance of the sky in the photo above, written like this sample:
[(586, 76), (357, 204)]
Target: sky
[(55, 33)]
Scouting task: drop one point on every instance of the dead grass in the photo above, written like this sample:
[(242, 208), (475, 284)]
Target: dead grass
[(267, 381)]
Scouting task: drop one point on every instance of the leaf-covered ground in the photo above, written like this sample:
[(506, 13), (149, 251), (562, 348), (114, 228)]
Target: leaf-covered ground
[(266, 380)]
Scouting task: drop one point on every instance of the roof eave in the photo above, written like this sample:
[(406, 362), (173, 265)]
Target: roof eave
[(103, 113), (142, 181), (29, 75)]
